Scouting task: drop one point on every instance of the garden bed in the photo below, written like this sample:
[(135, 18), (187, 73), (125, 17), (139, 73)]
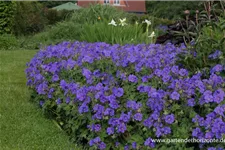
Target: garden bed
[(106, 96)]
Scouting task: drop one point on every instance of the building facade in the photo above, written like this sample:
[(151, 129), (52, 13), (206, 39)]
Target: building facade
[(126, 5)]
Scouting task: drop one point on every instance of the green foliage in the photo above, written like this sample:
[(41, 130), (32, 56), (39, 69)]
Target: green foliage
[(50, 4), (7, 10), (205, 38), (8, 42), (29, 18), (156, 21), (72, 28), (60, 32), (93, 12), (127, 34), (53, 16), (171, 9), (211, 39)]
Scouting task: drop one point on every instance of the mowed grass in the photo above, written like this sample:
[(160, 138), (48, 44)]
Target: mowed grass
[(22, 124)]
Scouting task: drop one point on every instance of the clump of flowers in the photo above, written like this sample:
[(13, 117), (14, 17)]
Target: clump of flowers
[(111, 96)]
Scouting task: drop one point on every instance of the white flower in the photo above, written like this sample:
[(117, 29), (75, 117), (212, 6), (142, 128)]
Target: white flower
[(123, 22), (152, 35), (112, 23), (136, 22), (147, 21)]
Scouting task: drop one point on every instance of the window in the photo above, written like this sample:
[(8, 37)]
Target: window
[(116, 2), (106, 1)]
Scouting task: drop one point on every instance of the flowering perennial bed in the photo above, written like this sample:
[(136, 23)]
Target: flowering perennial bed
[(111, 96)]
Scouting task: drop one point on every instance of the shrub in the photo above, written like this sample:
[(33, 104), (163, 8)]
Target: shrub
[(7, 10), (29, 18), (115, 97), (208, 49), (53, 16), (8, 42), (52, 35), (72, 28), (171, 10)]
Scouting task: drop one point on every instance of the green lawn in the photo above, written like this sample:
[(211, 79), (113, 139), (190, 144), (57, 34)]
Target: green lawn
[(22, 124)]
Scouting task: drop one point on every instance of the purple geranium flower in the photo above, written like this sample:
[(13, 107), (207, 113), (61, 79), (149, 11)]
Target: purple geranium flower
[(175, 96), (138, 116), (169, 119), (132, 78)]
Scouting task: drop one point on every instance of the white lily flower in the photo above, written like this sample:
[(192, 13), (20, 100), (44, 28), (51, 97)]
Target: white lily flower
[(152, 35), (123, 22), (112, 23), (147, 21)]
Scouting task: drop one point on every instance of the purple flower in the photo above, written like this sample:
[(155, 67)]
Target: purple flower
[(132, 78), (55, 77), (134, 145), (197, 133), (126, 147), (175, 69), (110, 130), (67, 100), (117, 144), (97, 140), (102, 145), (83, 108), (150, 143), (148, 123), (114, 104), (166, 130), (220, 110), (97, 127), (138, 116), (216, 68), (41, 103), (122, 128), (58, 101), (87, 73), (133, 105), (211, 148), (218, 96), (169, 119), (209, 135), (191, 102), (94, 141), (208, 96), (175, 96), (118, 92), (183, 72), (109, 112), (215, 55), (124, 117)]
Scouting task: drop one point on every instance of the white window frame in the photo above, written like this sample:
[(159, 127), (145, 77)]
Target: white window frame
[(106, 2), (116, 2)]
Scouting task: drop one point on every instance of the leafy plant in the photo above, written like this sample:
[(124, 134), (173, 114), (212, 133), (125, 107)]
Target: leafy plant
[(8, 42), (29, 18), (7, 11), (208, 48), (121, 33)]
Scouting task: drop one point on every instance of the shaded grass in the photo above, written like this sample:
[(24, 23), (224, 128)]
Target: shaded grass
[(22, 124)]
